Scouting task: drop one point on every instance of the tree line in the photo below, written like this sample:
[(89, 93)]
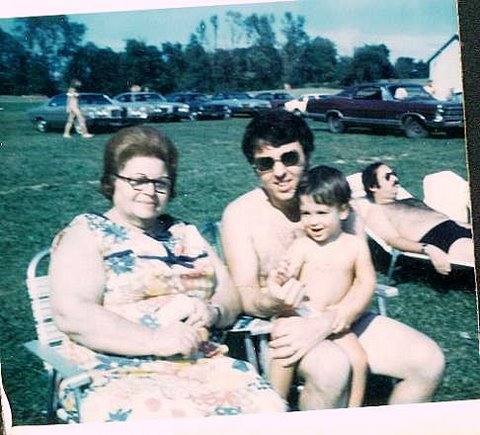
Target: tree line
[(43, 54)]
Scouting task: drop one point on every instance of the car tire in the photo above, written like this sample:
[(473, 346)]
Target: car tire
[(41, 125), (335, 124), (414, 129)]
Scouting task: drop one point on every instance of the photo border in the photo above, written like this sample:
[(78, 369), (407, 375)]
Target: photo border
[(435, 418)]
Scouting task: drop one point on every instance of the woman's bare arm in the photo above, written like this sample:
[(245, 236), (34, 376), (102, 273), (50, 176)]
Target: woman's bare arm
[(77, 281)]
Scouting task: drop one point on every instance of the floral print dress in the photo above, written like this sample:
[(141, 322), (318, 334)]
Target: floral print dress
[(144, 274)]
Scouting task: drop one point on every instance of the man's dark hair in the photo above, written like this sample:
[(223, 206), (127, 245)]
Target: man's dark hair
[(369, 178), (326, 185), (276, 128)]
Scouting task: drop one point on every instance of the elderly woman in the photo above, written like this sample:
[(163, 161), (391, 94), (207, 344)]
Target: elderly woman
[(135, 291)]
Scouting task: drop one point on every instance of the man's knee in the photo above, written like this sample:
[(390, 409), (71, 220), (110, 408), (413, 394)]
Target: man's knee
[(428, 362)]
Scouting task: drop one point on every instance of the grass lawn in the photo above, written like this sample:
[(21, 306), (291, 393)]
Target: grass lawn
[(47, 180)]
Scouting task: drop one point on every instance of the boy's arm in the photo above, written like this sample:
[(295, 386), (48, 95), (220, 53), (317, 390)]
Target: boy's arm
[(358, 298)]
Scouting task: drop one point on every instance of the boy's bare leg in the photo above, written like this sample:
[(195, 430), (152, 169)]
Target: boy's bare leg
[(358, 359), (280, 377), (68, 125), (396, 350)]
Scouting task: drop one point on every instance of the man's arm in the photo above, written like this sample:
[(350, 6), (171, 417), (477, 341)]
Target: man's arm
[(379, 223)]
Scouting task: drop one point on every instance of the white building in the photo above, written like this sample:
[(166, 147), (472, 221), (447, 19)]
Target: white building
[(445, 68)]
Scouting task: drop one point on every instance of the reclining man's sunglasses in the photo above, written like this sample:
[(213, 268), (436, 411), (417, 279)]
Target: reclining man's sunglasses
[(389, 175), (265, 164)]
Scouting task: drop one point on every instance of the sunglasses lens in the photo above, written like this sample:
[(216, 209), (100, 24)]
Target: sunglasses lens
[(264, 163), (291, 158)]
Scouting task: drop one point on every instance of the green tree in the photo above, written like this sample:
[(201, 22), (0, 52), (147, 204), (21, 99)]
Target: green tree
[(294, 47), (404, 66), (370, 63), (214, 23), (54, 39), (317, 62), (264, 63), (235, 21), (144, 65), (175, 64), (97, 69), (14, 65), (197, 75)]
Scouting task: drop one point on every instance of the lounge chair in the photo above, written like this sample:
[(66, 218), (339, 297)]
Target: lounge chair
[(358, 192)]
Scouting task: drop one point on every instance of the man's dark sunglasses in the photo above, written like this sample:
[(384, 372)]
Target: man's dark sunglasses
[(265, 164), (389, 175)]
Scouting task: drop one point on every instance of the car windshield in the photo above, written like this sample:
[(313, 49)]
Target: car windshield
[(94, 99), (150, 97), (410, 92), (238, 95)]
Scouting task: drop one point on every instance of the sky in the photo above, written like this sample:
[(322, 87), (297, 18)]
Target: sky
[(409, 28)]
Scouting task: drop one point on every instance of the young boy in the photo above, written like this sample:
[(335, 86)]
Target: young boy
[(73, 111), (329, 262)]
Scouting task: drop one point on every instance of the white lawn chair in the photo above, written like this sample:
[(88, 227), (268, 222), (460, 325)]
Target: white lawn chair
[(358, 192), (49, 341), (448, 193)]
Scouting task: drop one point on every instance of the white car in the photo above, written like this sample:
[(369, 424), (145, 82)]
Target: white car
[(299, 105)]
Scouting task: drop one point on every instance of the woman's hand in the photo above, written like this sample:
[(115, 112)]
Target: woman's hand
[(176, 338), (293, 337), (203, 314)]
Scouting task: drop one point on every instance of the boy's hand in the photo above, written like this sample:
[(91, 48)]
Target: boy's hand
[(287, 297), (342, 318)]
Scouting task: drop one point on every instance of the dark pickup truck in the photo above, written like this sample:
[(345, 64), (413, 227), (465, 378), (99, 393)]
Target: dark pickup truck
[(404, 106)]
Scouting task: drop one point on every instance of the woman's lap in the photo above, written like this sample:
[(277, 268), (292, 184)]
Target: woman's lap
[(215, 386)]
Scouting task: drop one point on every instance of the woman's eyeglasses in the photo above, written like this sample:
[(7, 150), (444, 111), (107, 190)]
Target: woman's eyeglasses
[(265, 164), (161, 185)]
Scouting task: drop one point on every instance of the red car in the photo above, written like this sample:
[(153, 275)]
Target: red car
[(403, 106)]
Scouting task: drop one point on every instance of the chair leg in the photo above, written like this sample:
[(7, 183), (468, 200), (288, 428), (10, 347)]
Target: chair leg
[(391, 267), (250, 351), (52, 400), (263, 355)]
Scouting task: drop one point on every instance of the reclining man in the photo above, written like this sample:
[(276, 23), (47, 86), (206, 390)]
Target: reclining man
[(258, 228), (410, 225)]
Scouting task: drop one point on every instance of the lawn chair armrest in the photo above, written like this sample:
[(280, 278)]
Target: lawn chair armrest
[(386, 291), (72, 374)]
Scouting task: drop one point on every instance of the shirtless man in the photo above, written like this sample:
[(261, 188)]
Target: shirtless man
[(409, 224), (257, 230)]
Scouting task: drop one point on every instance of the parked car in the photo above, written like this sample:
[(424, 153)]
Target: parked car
[(277, 99), (201, 107), (154, 105), (98, 109), (404, 106), (298, 106), (241, 103)]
